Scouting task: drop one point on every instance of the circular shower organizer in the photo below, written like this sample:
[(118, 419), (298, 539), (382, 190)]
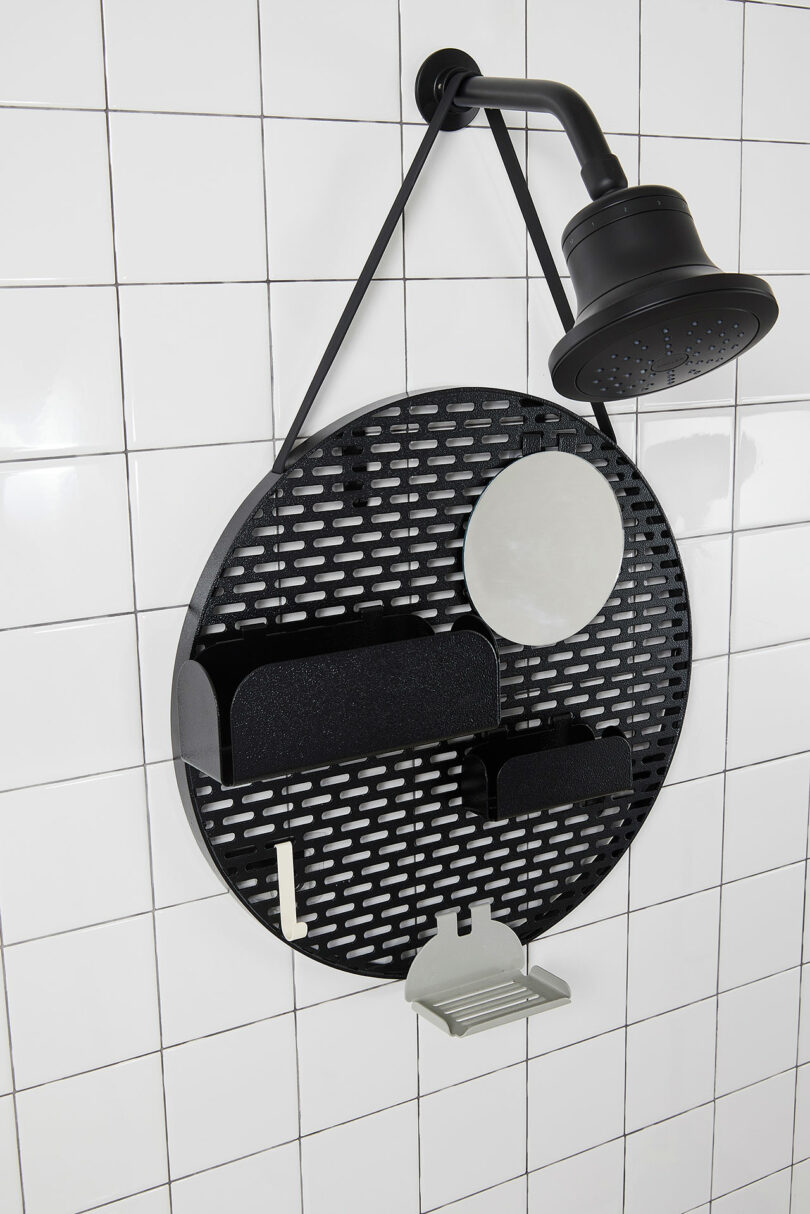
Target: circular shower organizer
[(342, 576)]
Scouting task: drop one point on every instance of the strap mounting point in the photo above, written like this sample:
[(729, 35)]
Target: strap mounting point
[(431, 78)]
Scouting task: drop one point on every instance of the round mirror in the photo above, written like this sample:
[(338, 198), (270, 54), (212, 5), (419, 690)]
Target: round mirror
[(543, 548)]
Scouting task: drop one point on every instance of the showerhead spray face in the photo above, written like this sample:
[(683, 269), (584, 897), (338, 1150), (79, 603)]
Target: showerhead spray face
[(653, 310)]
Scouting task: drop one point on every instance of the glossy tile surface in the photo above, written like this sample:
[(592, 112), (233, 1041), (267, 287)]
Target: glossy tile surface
[(60, 378), (181, 55), (52, 506), (57, 221), (188, 197)]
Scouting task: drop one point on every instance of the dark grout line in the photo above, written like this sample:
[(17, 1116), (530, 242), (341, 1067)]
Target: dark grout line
[(131, 527)]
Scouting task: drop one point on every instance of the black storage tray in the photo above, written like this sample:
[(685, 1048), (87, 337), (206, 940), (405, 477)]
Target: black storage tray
[(545, 768), (259, 706)]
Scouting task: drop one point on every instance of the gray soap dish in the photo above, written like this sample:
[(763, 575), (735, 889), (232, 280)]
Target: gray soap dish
[(464, 984)]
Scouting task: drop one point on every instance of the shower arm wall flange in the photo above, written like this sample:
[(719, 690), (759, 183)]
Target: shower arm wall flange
[(600, 169)]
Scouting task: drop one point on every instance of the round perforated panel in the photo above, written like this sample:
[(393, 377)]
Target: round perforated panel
[(668, 352), (371, 518)]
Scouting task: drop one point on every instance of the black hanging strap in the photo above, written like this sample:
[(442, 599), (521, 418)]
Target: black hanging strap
[(369, 269), (393, 217), (538, 238)]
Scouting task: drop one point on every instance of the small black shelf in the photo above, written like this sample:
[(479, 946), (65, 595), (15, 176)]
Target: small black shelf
[(264, 705), (541, 769)]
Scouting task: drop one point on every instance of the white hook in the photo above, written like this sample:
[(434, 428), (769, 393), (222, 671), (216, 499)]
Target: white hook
[(291, 927)]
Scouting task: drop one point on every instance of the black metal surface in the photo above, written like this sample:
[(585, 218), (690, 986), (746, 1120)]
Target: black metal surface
[(370, 519), (348, 690), (545, 769), (653, 310), (601, 171)]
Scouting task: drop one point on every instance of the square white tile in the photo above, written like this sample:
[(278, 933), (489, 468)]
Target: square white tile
[(768, 1196), (509, 1198), (557, 51), (93, 1138), (708, 35), (766, 816), (71, 701), (483, 333), (355, 1056), (771, 602), (218, 937), (801, 1142), (83, 999), (70, 835), (495, 39), (51, 54), (593, 961), (776, 369), (231, 1095), (761, 925), (180, 871), (183, 55), (191, 492), (10, 1191), (665, 862), (769, 703), (707, 564), (486, 235), (57, 226), (576, 1098), (775, 99), (753, 1133), (593, 1180), (60, 375), (158, 635), (672, 958), (771, 487), (366, 83), (441, 1064), (464, 1148), (687, 458), (669, 1166), (707, 173), (371, 362), (368, 1165), (670, 1064), (196, 364), (236, 1185), (188, 197), (329, 188), (773, 236), (756, 1031), (53, 506), (701, 747)]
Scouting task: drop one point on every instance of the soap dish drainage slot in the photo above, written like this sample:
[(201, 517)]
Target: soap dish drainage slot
[(465, 984)]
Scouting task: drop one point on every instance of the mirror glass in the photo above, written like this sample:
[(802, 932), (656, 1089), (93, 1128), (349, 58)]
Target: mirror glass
[(543, 548)]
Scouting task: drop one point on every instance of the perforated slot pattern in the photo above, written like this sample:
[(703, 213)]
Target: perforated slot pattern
[(372, 519), (663, 355)]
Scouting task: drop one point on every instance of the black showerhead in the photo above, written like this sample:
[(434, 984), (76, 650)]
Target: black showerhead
[(653, 311)]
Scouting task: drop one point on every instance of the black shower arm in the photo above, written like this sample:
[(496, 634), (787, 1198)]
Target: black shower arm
[(601, 170)]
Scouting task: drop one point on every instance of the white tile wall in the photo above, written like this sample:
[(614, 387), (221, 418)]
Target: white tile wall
[(162, 1054)]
